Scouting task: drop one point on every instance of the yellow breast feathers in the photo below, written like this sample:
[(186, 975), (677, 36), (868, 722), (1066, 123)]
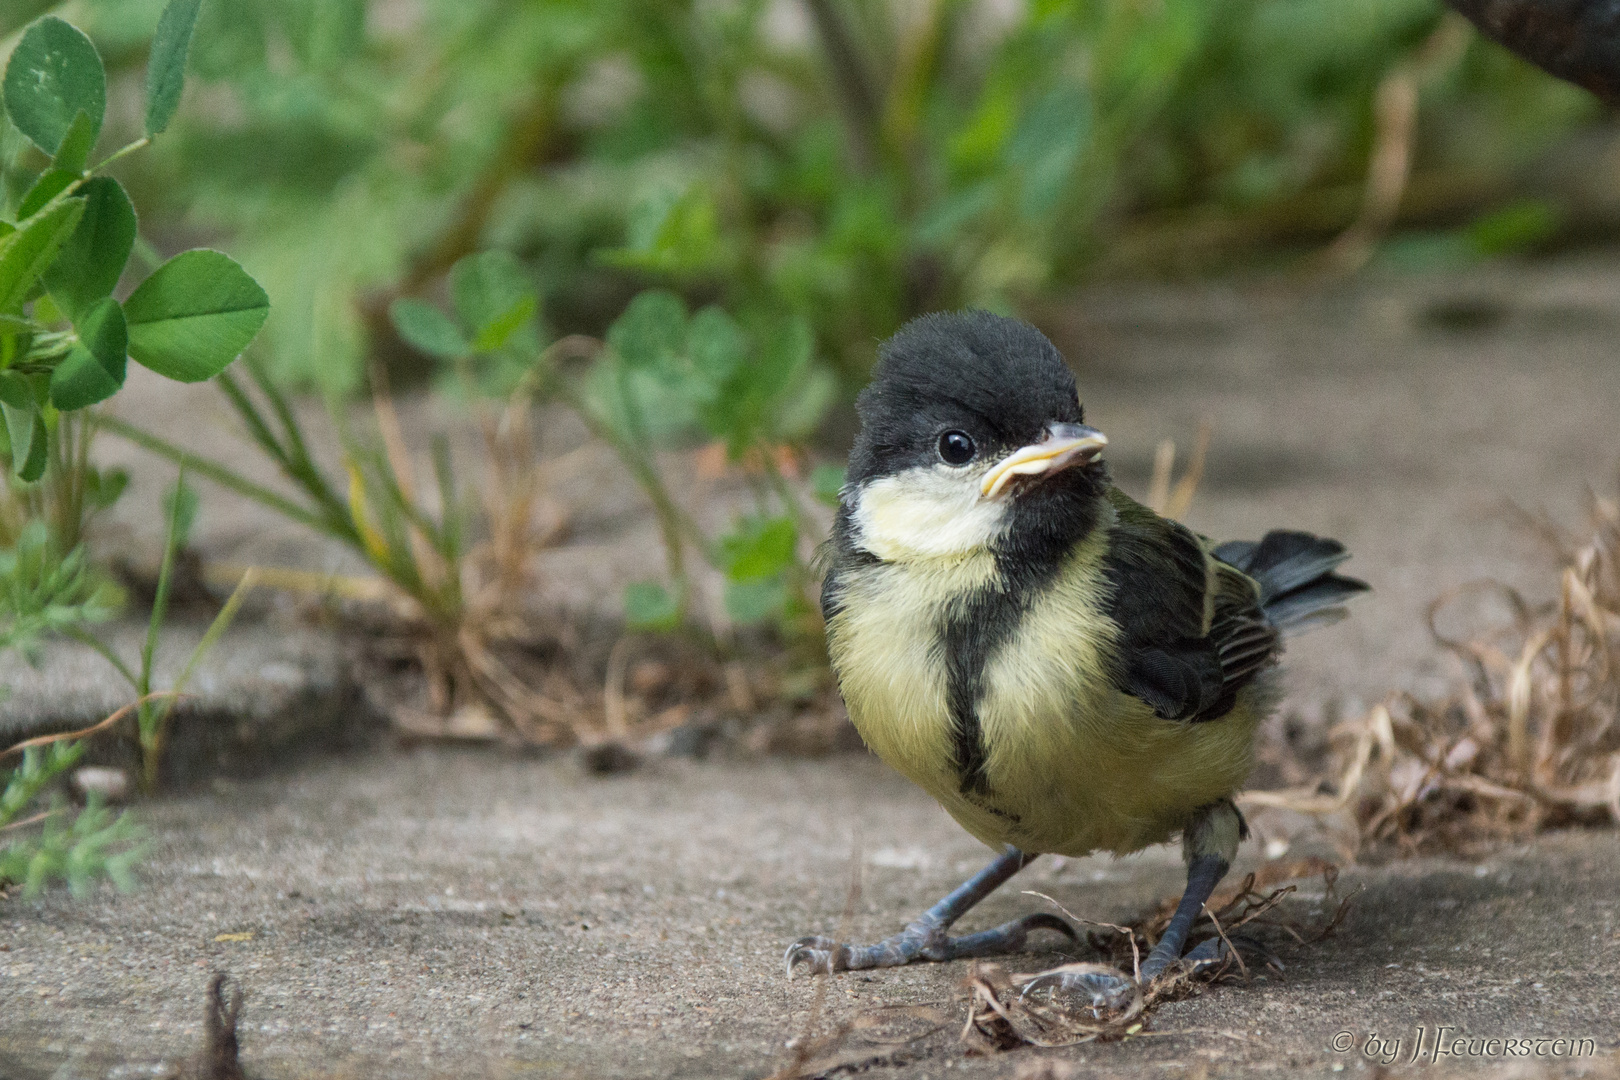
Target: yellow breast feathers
[(1029, 742)]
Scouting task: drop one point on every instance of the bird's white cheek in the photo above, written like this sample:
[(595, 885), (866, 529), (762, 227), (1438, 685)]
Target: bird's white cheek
[(926, 513)]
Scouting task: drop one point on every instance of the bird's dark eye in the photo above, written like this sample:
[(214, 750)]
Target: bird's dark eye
[(956, 448)]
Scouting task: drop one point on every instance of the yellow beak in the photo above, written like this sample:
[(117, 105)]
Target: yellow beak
[(1064, 445)]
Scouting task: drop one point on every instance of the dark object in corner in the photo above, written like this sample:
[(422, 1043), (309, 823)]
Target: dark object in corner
[(1576, 40), (217, 1060)]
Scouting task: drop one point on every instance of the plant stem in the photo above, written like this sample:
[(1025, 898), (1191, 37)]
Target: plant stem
[(210, 638), (84, 637), (149, 718), (856, 91), (140, 143), (221, 475)]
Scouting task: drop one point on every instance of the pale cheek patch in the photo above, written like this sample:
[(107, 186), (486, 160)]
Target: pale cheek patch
[(929, 512)]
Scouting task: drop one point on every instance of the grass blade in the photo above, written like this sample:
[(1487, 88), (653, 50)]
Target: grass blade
[(216, 630), (223, 476)]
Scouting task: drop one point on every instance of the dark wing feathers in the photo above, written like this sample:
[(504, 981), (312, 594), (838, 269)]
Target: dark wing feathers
[(1236, 553), (1318, 605), (1162, 583), (1245, 645), (1286, 560), (1179, 681)]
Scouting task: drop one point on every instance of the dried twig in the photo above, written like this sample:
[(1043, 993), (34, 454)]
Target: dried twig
[(45, 740), (219, 1057), (1175, 501), (1395, 113)]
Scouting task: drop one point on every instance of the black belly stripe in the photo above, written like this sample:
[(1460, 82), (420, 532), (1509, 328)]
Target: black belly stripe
[(974, 627)]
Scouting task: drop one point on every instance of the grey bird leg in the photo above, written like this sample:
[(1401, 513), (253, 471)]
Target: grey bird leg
[(925, 939), (1209, 842), (1114, 991), (1204, 872)]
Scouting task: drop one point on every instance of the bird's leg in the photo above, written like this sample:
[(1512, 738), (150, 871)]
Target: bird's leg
[(925, 939), (1209, 843), (1204, 872)]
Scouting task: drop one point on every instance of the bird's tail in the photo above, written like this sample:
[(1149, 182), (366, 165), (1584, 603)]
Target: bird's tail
[(1298, 588)]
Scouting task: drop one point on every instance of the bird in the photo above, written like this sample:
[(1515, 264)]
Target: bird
[(1063, 669)]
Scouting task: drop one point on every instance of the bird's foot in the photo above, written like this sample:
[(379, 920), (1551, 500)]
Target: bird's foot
[(1240, 951), (1113, 990), (924, 939)]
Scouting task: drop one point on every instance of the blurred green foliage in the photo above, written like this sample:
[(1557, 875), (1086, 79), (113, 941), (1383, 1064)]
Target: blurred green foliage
[(661, 375), (842, 164), (43, 591), (740, 198), (94, 844)]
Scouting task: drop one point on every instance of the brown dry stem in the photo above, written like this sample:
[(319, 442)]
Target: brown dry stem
[(219, 1058), (1389, 165), (1174, 500)]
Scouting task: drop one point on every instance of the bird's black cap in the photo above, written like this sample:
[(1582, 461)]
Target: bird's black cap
[(998, 379)]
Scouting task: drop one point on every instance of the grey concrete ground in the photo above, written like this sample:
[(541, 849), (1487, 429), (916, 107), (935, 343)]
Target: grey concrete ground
[(273, 689), (468, 915), (453, 915)]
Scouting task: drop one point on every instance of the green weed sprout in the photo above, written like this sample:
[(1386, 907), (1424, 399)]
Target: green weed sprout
[(154, 710), (419, 544), (665, 375), (94, 844), (43, 592)]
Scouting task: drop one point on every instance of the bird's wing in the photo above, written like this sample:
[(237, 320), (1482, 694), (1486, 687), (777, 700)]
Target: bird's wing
[(1192, 631)]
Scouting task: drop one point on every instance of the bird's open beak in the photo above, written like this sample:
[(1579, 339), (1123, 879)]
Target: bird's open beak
[(1064, 445)]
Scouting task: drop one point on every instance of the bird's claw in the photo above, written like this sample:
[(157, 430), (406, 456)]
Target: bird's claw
[(922, 940), (1216, 953), (819, 955), (1106, 989)]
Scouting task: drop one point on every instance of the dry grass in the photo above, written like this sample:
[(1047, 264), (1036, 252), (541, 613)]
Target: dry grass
[(454, 644), (1528, 740), (1167, 495)]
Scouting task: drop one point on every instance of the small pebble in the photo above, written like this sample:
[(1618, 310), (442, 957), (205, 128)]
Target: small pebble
[(111, 784)]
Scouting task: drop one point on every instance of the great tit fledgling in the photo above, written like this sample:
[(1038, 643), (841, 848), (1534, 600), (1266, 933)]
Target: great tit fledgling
[(1063, 669)]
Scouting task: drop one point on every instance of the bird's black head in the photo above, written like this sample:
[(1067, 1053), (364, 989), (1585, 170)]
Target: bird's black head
[(972, 436)]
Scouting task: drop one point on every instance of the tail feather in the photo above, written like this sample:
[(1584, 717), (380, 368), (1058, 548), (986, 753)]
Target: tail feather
[(1298, 588), (1316, 605)]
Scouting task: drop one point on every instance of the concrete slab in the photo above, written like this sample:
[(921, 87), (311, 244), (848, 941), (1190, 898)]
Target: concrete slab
[(270, 689), (456, 915)]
